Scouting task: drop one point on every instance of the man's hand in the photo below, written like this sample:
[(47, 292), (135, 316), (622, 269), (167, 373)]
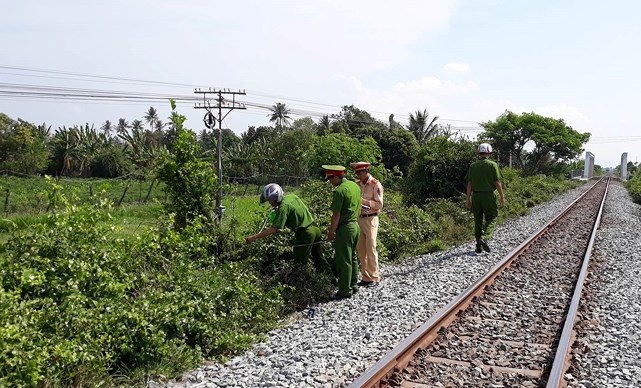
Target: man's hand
[(468, 203), (250, 239), (502, 201)]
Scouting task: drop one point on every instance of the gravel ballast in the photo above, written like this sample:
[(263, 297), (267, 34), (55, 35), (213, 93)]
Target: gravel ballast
[(346, 337), (610, 336)]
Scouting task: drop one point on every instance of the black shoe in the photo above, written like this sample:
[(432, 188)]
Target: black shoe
[(478, 248), (484, 245), (365, 283), (338, 296)]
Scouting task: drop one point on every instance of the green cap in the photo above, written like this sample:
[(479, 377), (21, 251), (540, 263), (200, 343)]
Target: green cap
[(333, 170)]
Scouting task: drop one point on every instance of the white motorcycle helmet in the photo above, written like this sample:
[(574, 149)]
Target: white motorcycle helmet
[(484, 148), (271, 192)]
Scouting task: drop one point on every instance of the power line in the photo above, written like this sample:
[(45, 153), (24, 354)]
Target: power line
[(259, 95)]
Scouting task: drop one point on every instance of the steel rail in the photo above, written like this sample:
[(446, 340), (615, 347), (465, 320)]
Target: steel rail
[(402, 354), (562, 356)]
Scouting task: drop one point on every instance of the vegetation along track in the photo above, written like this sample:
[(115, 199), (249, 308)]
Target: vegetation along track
[(514, 326)]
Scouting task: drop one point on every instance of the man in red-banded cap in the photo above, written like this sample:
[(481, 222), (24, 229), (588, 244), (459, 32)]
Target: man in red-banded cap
[(372, 203), (343, 229)]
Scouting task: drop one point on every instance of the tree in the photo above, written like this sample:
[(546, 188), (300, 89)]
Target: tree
[(353, 119), (191, 182), (122, 126), (551, 142), (439, 170), (23, 146), (279, 115), (324, 125), (341, 149), (151, 117), (421, 126), (107, 128), (290, 152), (399, 148)]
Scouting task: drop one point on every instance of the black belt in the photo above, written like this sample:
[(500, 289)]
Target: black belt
[(368, 215)]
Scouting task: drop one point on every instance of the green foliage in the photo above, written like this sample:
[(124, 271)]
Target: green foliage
[(342, 150), (404, 231), (554, 141), (110, 162), (634, 186), (453, 222), (80, 306), (190, 181), (29, 196), (23, 147), (399, 148), (291, 151), (523, 193), (439, 170)]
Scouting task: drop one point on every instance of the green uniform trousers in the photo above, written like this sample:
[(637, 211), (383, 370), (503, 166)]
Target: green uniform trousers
[(346, 258), (307, 242), (485, 210)]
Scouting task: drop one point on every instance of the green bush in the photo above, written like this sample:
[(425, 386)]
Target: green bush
[(634, 186), (453, 222), (79, 306), (111, 163), (523, 193), (404, 231), (439, 170)]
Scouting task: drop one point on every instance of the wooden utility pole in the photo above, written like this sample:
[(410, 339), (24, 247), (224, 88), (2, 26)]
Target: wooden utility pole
[(210, 122)]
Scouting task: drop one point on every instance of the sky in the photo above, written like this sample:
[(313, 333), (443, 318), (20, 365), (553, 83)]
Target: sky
[(465, 61)]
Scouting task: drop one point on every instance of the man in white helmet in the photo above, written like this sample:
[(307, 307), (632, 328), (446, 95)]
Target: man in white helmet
[(483, 178), (290, 212)]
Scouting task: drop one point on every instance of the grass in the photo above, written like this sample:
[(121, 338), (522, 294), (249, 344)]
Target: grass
[(27, 204), (21, 196)]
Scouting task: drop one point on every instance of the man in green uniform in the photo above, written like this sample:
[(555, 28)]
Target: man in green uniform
[(483, 177), (343, 229), (289, 211)]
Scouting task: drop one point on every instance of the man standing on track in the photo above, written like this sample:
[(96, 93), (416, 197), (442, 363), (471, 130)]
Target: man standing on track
[(483, 177), (372, 203), (343, 229)]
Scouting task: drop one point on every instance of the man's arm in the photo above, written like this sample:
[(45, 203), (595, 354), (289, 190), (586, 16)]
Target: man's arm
[(331, 233), (264, 233), (499, 188), (468, 202)]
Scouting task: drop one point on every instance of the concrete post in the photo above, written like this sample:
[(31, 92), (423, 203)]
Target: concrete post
[(588, 168), (624, 166)]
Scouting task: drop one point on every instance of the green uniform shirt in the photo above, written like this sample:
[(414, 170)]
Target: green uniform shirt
[(483, 175), (292, 213), (347, 201)]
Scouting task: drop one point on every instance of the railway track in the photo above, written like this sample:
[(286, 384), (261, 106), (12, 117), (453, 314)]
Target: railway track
[(513, 327)]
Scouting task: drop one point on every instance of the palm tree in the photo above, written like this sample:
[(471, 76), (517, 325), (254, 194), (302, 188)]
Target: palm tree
[(280, 114), (122, 126), (420, 127), (107, 128), (323, 125), (151, 117)]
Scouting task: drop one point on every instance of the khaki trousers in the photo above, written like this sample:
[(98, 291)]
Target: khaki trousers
[(366, 248)]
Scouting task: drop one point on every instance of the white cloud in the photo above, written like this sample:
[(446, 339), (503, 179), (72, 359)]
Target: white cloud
[(570, 114), (457, 67), (442, 98), (434, 85)]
